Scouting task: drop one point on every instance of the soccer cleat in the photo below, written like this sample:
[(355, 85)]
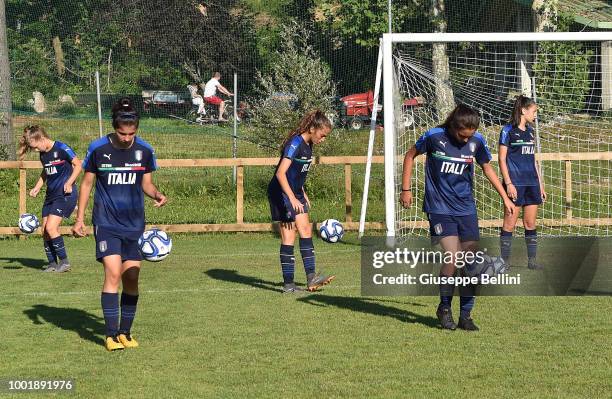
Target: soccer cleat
[(63, 267), (50, 268), (445, 315), (113, 344), (317, 281), (467, 324), (128, 341), (291, 288), (534, 266)]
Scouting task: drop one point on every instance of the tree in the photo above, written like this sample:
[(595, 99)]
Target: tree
[(7, 141), (199, 37), (297, 82), (441, 70)]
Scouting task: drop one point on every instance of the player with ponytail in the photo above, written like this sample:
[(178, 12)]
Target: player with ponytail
[(121, 164), (522, 179), (289, 203), (61, 167)]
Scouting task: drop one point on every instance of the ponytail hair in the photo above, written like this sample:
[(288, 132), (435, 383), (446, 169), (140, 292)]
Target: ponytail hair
[(124, 113), (30, 132), (314, 119), (462, 117), (520, 103)]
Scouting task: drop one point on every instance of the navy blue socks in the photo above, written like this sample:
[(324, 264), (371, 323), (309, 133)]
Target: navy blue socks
[(128, 311), (110, 309), (308, 255), (287, 261)]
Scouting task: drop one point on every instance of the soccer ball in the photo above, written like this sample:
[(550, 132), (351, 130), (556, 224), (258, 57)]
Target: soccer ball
[(155, 245), (331, 230), (491, 266), (28, 223)]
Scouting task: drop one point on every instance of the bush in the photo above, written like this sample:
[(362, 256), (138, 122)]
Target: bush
[(296, 81)]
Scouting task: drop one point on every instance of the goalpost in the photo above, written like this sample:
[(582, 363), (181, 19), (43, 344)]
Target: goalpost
[(570, 75)]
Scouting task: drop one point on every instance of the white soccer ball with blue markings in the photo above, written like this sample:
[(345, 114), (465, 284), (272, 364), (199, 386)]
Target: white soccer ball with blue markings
[(331, 230), (28, 223), (155, 245), (491, 266)]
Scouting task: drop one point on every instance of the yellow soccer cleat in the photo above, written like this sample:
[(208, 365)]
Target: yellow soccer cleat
[(128, 341), (113, 344)]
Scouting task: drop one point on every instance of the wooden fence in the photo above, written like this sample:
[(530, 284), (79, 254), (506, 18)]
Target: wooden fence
[(347, 161)]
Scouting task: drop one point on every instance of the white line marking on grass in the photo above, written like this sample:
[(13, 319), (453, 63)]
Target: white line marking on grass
[(176, 290), (236, 255)]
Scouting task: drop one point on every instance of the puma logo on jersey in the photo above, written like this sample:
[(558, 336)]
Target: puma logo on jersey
[(443, 143), (107, 156), (454, 168), (121, 178)]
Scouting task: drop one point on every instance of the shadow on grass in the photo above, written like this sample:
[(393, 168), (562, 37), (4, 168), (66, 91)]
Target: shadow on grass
[(87, 325), (370, 306), (234, 277), (27, 262)]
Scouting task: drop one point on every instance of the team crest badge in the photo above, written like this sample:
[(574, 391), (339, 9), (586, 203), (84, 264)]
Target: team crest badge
[(102, 246), (438, 229), (54, 154), (138, 155), (473, 147)]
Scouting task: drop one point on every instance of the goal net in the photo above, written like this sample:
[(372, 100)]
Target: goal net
[(569, 75)]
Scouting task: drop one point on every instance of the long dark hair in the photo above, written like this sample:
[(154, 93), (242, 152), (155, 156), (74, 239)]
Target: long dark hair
[(462, 117), (314, 119), (520, 103), (124, 113)]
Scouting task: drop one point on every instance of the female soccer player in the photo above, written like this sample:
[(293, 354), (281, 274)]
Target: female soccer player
[(451, 150), (289, 203), (522, 180), (121, 165), (61, 167)]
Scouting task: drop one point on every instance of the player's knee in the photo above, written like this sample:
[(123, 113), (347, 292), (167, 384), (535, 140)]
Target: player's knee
[(529, 225), (130, 276), (51, 230), (112, 279)]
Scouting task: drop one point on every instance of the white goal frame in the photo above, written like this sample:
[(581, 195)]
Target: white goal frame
[(391, 199)]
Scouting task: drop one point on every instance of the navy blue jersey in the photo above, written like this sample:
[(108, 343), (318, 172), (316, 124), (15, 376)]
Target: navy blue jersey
[(520, 157), (57, 164), (449, 171), (300, 154), (119, 198)]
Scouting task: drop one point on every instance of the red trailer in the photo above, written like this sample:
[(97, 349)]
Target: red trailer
[(355, 110)]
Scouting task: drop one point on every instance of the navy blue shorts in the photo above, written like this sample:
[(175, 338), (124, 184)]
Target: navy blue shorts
[(62, 207), (464, 227), (281, 209), (113, 242), (527, 195)]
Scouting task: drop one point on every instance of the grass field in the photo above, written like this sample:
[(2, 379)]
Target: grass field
[(212, 323)]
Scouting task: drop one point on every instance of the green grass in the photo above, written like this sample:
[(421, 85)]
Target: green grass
[(212, 323)]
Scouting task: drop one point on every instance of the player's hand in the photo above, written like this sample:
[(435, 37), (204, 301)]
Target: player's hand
[(160, 200), (67, 188), (406, 199), (78, 230), (510, 207), (512, 193), (544, 195), (34, 192), (297, 206)]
